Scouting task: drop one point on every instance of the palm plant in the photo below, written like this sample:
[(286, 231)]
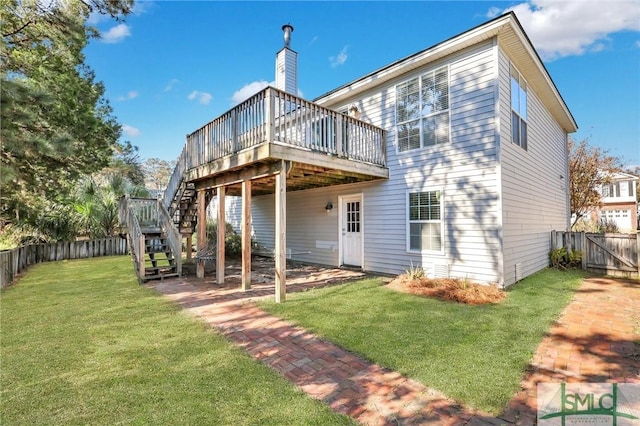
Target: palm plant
[(97, 203)]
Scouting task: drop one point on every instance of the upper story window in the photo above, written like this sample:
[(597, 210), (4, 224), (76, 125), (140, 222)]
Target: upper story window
[(422, 110), (623, 189), (518, 108)]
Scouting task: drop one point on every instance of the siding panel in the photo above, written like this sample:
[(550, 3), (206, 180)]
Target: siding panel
[(534, 194), (464, 169)]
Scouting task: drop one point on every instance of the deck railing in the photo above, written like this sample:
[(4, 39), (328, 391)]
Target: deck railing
[(173, 237), (278, 117), (136, 240)]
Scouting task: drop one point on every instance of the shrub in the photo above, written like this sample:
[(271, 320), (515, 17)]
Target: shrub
[(560, 258), (232, 240), (414, 272), (608, 226)]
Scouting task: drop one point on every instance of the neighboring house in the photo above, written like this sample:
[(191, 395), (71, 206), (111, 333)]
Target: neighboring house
[(619, 202), (453, 159)]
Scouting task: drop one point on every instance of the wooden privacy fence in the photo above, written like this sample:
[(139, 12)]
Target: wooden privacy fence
[(12, 262), (609, 254)]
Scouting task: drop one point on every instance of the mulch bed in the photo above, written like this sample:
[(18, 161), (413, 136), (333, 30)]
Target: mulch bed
[(456, 290)]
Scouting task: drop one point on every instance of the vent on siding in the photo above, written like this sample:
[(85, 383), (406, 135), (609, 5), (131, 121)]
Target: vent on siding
[(518, 271), (440, 271)]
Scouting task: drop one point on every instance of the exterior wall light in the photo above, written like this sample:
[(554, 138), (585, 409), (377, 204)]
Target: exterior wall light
[(329, 206)]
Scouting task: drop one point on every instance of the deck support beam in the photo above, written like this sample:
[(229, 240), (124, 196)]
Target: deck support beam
[(246, 235), (221, 236), (202, 230), (189, 244), (281, 233)]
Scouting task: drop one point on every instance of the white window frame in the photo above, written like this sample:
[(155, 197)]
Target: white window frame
[(422, 117), (409, 222), (523, 87)]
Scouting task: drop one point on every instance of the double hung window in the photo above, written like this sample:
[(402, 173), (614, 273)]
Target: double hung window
[(425, 221), (422, 110), (518, 109)]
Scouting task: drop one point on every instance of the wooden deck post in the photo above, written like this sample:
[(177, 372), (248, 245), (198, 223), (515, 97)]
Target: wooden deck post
[(340, 147), (221, 236), (246, 235), (270, 114), (281, 233), (189, 245), (202, 231)]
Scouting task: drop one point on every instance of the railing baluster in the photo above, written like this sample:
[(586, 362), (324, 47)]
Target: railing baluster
[(276, 115)]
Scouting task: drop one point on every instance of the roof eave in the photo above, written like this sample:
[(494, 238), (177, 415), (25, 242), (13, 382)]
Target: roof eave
[(479, 34)]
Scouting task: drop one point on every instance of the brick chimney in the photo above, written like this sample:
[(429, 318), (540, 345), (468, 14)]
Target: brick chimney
[(287, 64)]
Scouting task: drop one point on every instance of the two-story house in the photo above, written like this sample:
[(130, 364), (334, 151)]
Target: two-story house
[(619, 203), (476, 144), (452, 159)]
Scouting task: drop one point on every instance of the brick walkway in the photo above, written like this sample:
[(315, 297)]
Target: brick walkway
[(593, 341)]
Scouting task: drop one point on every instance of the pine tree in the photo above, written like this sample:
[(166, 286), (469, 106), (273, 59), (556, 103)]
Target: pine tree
[(56, 124)]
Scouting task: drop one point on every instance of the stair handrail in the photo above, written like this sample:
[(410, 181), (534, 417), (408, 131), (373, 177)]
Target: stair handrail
[(174, 240), (176, 180), (136, 241)]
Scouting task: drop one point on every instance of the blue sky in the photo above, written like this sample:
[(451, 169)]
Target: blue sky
[(172, 66)]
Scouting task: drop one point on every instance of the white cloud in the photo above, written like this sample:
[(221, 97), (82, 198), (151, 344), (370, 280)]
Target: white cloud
[(171, 84), (203, 97), (142, 7), (561, 28), (116, 34), (638, 43), (130, 130), (95, 18), (340, 58), (313, 40), (131, 95), (248, 90), (493, 12)]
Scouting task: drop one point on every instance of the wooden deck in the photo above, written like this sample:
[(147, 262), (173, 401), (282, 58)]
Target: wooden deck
[(322, 147), (272, 143)]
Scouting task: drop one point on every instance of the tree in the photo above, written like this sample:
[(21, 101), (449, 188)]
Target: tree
[(589, 169), (126, 162), (97, 203), (157, 173), (56, 124)]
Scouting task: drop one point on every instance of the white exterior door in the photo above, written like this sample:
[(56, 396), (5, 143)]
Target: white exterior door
[(351, 230)]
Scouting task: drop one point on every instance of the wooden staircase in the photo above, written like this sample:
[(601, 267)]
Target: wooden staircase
[(154, 241), (159, 259), (184, 208)]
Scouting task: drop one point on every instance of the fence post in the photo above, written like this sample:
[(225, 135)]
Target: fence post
[(583, 246), (638, 252)]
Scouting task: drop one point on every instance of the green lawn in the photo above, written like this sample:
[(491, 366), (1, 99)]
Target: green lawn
[(82, 343), (474, 354)]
